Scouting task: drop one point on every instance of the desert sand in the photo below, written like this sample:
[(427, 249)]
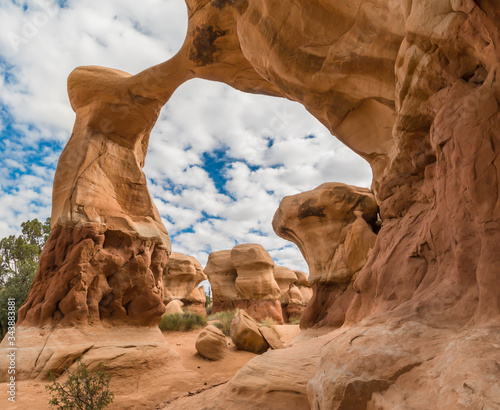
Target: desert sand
[(200, 375)]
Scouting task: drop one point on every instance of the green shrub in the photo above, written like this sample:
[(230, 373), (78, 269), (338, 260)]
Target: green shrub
[(84, 389), (209, 309), (294, 320), (268, 322), (182, 322), (225, 318)]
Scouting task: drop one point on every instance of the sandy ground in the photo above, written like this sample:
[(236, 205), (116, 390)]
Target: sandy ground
[(200, 374)]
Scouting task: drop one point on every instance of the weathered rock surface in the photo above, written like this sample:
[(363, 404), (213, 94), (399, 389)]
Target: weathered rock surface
[(295, 292), (412, 86), (90, 275), (246, 335), (333, 227), (242, 278), (181, 278), (134, 349), (174, 307), (211, 343), (271, 337), (222, 277)]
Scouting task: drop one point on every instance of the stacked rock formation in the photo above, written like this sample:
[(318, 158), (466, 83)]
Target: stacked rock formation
[(181, 278), (332, 226), (411, 86), (243, 278), (295, 292)]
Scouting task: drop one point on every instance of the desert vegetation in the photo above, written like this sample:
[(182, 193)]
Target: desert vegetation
[(182, 321)]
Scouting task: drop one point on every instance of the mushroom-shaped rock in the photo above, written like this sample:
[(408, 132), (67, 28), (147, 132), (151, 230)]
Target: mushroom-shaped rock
[(174, 307), (284, 278), (182, 274), (302, 278), (181, 278), (211, 343), (243, 278), (304, 286), (319, 222), (255, 278), (222, 276), (332, 226), (245, 334)]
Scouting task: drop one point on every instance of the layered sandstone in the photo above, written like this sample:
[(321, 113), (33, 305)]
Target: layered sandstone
[(243, 278), (411, 86), (333, 226), (181, 278), (295, 292)]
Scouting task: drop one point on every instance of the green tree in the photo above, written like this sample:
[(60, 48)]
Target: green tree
[(84, 390), (19, 257)]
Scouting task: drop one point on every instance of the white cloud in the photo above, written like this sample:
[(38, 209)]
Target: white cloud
[(267, 152)]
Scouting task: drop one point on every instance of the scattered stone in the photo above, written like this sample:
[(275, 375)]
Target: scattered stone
[(245, 334), (211, 343), (271, 337)]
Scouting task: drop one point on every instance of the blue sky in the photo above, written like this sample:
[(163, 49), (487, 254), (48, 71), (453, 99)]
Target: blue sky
[(219, 160)]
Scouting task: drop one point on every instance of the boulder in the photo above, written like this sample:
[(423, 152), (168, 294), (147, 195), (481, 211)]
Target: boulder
[(211, 343), (271, 337), (245, 334)]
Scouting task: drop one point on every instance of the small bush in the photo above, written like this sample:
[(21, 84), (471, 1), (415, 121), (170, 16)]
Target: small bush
[(84, 389), (268, 322), (225, 318), (209, 309), (182, 322), (294, 320)]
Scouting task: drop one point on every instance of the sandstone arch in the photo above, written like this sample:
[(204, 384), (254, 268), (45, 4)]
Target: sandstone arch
[(423, 80)]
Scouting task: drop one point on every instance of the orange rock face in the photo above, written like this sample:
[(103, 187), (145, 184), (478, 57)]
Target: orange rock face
[(333, 226), (295, 292), (181, 278), (411, 86), (243, 278)]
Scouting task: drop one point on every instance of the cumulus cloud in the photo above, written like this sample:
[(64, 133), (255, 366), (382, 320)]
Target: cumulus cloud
[(219, 160)]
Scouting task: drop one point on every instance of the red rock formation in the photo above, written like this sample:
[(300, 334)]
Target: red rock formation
[(413, 87), (181, 278), (295, 293), (332, 226), (243, 278)]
